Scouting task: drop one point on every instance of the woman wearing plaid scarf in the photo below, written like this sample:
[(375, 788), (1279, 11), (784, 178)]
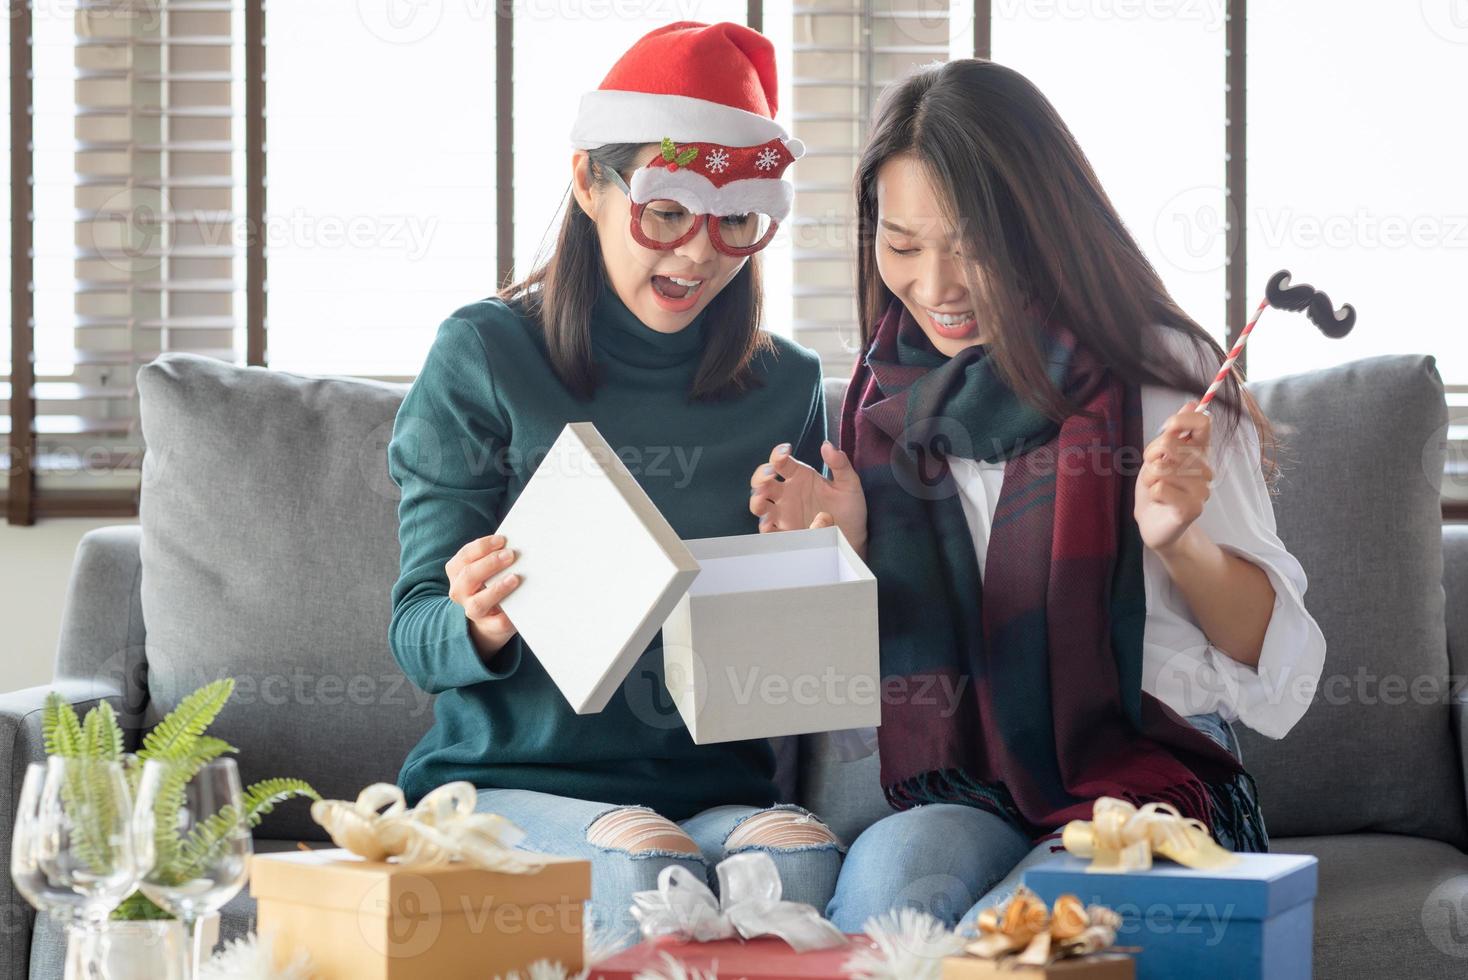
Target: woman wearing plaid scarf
[(1088, 565)]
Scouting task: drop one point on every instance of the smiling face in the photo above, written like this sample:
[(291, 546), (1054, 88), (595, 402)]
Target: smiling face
[(666, 290), (919, 258)]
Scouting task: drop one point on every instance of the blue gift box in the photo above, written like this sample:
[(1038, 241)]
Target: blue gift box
[(1253, 920)]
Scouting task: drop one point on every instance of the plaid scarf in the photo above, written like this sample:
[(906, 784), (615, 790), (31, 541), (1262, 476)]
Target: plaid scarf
[(1045, 655)]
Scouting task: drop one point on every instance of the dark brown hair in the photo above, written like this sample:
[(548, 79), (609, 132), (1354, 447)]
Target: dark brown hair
[(1031, 215), (564, 287)]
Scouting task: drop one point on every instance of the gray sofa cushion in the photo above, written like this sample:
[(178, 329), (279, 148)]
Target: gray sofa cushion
[(1359, 505), (269, 550), (1387, 906)]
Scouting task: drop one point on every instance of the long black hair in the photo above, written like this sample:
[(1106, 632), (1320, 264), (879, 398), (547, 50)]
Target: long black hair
[(1033, 217)]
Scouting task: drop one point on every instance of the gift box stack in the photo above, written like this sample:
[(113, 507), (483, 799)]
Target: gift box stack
[(1250, 920), (378, 920), (1201, 909), (438, 892)]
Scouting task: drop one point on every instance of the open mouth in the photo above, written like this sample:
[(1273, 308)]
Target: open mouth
[(953, 325), (676, 289)]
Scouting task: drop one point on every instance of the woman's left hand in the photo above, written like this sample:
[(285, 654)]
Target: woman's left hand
[(1174, 480)]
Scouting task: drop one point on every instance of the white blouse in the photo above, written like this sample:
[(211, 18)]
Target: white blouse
[(1179, 666)]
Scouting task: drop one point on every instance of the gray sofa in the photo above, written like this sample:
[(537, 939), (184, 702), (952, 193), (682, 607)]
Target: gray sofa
[(267, 545)]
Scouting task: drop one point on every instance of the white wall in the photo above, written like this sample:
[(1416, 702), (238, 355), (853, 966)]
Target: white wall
[(35, 566)]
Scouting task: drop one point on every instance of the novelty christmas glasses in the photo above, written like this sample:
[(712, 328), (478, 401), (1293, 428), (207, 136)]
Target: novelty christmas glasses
[(665, 224), (733, 191)]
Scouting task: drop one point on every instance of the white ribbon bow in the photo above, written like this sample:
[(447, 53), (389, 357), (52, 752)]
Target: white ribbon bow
[(441, 829), (683, 906)]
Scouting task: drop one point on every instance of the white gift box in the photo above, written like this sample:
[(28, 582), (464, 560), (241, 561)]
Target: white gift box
[(600, 567), (763, 634), (776, 636)]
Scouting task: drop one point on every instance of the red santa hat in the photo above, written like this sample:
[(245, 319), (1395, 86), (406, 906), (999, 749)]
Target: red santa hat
[(708, 94)]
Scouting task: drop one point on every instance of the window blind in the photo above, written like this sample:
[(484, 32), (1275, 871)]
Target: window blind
[(1455, 476), (136, 244), (844, 55)]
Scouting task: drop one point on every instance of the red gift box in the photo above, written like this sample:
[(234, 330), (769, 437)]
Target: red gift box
[(764, 958)]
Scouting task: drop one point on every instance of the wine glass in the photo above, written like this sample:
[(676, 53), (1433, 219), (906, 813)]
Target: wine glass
[(73, 852), (201, 841)]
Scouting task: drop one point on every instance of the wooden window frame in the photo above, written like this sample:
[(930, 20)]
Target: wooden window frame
[(24, 505)]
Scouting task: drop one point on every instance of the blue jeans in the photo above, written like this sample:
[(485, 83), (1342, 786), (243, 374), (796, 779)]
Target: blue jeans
[(910, 858), (558, 825)]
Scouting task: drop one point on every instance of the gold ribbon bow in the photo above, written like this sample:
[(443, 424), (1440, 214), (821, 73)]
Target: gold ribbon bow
[(443, 828), (1024, 929), (1123, 837)]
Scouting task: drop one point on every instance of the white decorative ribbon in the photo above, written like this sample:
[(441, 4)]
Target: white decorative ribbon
[(443, 828), (683, 906), (1122, 837)]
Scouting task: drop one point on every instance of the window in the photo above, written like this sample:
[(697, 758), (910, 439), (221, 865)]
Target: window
[(383, 215), (1378, 221), (380, 214), (1156, 146), (843, 57)]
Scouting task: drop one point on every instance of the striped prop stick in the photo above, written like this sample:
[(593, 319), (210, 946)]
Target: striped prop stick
[(1283, 296)]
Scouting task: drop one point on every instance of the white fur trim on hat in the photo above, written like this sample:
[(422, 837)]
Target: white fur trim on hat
[(697, 193), (607, 116)]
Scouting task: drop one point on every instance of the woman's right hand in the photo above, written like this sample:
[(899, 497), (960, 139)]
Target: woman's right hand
[(801, 494), (468, 571)]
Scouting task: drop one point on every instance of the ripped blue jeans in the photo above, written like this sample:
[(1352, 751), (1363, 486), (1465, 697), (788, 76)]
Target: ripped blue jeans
[(559, 825)]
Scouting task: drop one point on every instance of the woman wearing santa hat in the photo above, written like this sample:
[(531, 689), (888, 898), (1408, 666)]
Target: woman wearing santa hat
[(646, 321)]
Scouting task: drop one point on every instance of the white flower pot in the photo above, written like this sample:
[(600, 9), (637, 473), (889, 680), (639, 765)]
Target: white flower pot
[(142, 949)]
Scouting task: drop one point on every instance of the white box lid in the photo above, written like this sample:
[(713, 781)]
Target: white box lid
[(600, 567)]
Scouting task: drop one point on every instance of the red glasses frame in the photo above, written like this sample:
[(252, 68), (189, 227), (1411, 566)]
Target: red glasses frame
[(699, 221)]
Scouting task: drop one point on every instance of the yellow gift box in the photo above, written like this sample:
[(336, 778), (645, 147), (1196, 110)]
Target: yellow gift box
[(1096, 966), (375, 920)]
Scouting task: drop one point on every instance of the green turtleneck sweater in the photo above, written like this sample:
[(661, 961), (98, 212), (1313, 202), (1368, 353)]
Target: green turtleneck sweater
[(473, 426)]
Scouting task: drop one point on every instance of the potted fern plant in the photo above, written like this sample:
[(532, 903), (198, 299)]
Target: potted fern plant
[(181, 741)]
